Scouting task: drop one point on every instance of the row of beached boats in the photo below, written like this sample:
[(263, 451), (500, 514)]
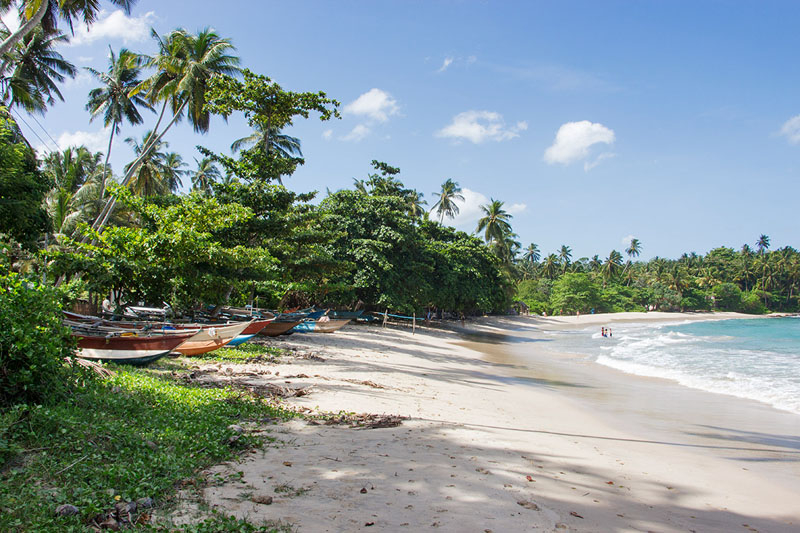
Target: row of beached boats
[(142, 341)]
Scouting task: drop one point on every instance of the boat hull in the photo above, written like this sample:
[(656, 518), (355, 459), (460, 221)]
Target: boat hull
[(273, 329), (132, 349), (316, 326), (209, 339)]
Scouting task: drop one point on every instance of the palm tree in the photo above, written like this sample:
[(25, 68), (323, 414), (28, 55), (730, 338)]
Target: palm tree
[(532, 254), (634, 249), (762, 244), (446, 204), (280, 143), (37, 68), (595, 263), (47, 13), (116, 100), (494, 222), (148, 178), (172, 171), (415, 203), (550, 266), (565, 256), (184, 66), (612, 266), (76, 175), (206, 174)]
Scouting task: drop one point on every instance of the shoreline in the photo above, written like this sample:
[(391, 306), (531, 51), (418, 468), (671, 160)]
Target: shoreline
[(503, 444)]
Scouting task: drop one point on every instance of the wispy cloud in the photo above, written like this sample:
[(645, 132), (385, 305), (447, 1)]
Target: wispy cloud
[(115, 25), (556, 77), (480, 126), (96, 141), (791, 130), (573, 141), (447, 62), (327, 134), (358, 133), (587, 165)]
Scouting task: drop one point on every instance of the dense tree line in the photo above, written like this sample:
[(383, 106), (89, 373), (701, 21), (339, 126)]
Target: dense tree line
[(751, 280)]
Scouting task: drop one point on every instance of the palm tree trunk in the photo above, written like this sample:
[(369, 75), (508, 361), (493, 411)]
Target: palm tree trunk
[(109, 207), (105, 166), (25, 29)]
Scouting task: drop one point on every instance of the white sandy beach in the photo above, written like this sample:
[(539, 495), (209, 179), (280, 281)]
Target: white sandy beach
[(500, 442)]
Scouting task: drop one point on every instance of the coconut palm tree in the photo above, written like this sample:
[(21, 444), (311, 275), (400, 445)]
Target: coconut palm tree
[(184, 65), (550, 266), (634, 249), (76, 175), (280, 143), (172, 171), (116, 101), (494, 223), (415, 203), (206, 174), (31, 71), (762, 244), (612, 266), (46, 14), (446, 204), (148, 178), (532, 254), (565, 257)]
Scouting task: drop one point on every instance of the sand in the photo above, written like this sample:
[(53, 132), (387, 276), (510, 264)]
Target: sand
[(505, 436)]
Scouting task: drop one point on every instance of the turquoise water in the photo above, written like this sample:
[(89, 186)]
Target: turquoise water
[(757, 359)]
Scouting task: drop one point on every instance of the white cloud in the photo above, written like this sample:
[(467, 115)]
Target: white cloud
[(11, 20), (480, 126), (447, 62), (85, 59), (626, 240), (587, 166), (471, 60), (357, 133), (574, 139), (327, 134), (375, 104), (96, 141), (469, 211), (516, 208), (791, 130), (115, 25), (83, 79)]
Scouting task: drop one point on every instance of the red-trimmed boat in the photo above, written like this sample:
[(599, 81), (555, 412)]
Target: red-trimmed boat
[(126, 348)]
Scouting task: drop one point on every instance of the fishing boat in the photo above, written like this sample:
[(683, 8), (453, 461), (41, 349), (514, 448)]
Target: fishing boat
[(209, 339), (251, 331), (351, 315), (127, 347), (278, 327), (320, 326)]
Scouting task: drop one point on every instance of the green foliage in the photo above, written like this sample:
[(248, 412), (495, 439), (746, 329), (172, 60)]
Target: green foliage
[(727, 297), (575, 293), (135, 436), (33, 344), (752, 302), (536, 294), (22, 187), (173, 255)]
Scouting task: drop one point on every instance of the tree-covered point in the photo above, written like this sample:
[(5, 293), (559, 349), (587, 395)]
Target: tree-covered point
[(724, 279)]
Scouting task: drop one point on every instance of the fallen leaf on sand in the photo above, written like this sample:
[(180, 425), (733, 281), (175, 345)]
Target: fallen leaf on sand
[(528, 505), (609, 482), (576, 515), (363, 490), (529, 478), (287, 463), (369, 524)]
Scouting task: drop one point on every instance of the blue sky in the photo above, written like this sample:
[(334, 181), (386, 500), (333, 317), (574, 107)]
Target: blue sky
[(674, 122)]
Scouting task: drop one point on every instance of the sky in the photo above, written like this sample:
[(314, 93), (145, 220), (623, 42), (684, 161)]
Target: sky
[(677, 123)]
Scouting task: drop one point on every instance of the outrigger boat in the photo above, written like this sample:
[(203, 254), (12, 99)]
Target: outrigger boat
[(320, 326)]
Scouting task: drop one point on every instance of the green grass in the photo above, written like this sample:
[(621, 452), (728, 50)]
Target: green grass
[(135, 435), (243, 353)]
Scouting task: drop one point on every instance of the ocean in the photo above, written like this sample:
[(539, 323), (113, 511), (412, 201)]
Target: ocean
[(758, 359)]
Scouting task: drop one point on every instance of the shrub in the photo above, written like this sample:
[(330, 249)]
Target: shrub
[(752, 303), (728, 296), (33, 343)]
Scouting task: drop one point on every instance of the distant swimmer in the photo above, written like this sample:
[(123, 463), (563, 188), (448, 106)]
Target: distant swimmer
[(609, 333)]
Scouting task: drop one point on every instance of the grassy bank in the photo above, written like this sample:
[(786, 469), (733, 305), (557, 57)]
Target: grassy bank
[(136, 435)]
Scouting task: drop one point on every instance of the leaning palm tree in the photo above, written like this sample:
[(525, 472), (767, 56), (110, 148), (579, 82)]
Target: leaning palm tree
[(206, 174), (32, 70), (184, 65), (446, 204), (116, 100), (276, 142), (494, 223), (45, 14)]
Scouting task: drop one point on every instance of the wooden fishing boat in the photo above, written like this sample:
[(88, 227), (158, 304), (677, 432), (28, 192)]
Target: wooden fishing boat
[(320, 326), (210, 338), (250, 331), (127, 347), (278, 327)]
